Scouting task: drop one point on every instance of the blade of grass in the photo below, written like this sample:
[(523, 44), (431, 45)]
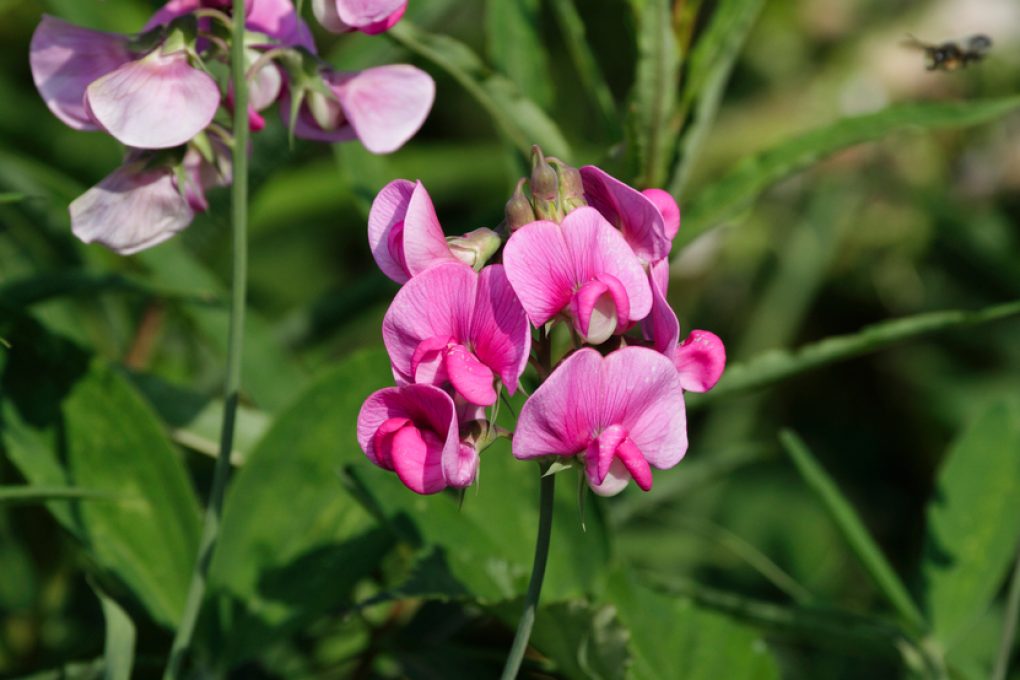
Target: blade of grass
[(19, 495), (849, 523), (773, 366)]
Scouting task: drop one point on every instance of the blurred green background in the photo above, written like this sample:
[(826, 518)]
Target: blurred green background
[(913, 222)]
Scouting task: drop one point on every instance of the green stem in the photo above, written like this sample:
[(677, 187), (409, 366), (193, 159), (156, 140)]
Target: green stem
[(1009, 625), (516, 656), (239, 199)]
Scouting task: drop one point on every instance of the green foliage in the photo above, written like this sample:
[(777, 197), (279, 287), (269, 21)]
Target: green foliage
[(585, 641), (973, 531), (85, 427), (119, 652), (515, 46)]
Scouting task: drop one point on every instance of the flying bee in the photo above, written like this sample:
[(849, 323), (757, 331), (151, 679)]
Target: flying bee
[(951, 56)]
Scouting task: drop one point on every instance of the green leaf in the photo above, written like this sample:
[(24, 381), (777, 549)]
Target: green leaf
[(669, 633), (729, 196), (586, 641), (18, 495), (856, 534), (776, 365), (515, 47), (119, 652), (293, 541), (587, 65), (973, 527), (708, 71), (651, 127), (85, 427), (520, 119)]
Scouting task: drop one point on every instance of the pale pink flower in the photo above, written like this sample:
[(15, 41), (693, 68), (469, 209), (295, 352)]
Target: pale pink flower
[(382, 107), (406, 238), (414, 431), (637, 215), (367, 16), (275, 18), (621, 414), (582, 267), (452, 325)]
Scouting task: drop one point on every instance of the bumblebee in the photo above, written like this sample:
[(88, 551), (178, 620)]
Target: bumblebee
[(952, 56)]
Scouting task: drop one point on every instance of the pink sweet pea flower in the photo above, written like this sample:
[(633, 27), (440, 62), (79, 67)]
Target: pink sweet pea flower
[(404, 232), (367, 16), (66, 59), (622, 414), (382, 107), (700, 359), (157, 102), (637, 215), (413, 430), (453, 325), (582, 267)]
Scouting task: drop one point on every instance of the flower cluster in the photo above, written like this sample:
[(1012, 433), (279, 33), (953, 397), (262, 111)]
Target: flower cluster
[(165, 94), (583, 249)]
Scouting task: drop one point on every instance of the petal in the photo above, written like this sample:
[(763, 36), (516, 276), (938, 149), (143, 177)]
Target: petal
[(539, 268), (132, 209), (627, 209), (437, 303), (278, 19), (157, 102), (615, 481), (265, 87), (461, 470), (562, 415), (630, 455), (700, 360), (65, 59), (424, 244), (428, 361), (661, 325), (596, 248), (643, 393), (367, 16), (470, 377), (382, 441), (418, 460), (386, 105), (602, 451), (594, 312), (668, 208), (387, 216), (499, 334)]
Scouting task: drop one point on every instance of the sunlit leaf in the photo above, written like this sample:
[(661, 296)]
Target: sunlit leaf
[(586, 641)]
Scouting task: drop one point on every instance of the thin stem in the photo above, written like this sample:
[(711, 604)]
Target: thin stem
[(239, 198), (1009, 625), (513, 661)]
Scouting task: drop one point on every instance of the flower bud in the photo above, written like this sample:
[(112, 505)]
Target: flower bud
[(571, 186), (518, 208), (475, 247), (544, 187)]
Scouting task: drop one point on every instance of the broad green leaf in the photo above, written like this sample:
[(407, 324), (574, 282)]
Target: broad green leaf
[(708, 71), (586, 641), (671, 637), (973, 527), (515, 46), (774, 366), (85, 427), (729, 196), (520, 119), (576, 42), (17, 495), (293, 541), (119, 651), (650, 125), (856, 534)]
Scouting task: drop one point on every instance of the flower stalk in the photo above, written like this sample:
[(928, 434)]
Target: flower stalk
[(527, 621), (239, 209)]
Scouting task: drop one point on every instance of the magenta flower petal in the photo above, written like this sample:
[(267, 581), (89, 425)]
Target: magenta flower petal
[(279, 20), (157, 102), (700, 361), (65, 59), (451, 323), (132, 209), (423, 242), (668, 208), (630, 211), (661, 325), (413, 430), (367, 16), (626, 407), (548, 264), (499, 327), (386, 228)]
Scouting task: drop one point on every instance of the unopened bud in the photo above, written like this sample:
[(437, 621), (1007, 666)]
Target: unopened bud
[(475, 247), (571, 187), (544, 187), (518, 208)]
